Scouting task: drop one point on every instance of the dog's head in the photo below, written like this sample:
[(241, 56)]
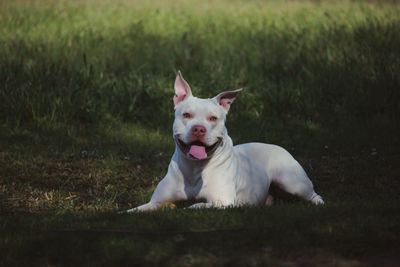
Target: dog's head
[(199, 125)]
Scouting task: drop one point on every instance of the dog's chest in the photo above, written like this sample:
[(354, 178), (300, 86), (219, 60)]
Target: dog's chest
[(192, 180), (199, 185)]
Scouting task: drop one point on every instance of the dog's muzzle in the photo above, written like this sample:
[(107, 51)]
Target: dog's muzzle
[(198, 150)]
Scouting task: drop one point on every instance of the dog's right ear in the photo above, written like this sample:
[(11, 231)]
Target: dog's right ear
[(182, 89)]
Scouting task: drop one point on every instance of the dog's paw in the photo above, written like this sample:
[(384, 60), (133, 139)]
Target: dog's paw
[(317, 200), (168, 206), (151, 207), (127, 211)]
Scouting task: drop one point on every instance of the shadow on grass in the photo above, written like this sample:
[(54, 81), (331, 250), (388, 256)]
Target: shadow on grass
[(87, 139), (280, 234), (305, 87)]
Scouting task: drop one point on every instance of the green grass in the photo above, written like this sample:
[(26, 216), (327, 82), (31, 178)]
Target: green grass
[(85, 129), (324, 69), (335, 235)]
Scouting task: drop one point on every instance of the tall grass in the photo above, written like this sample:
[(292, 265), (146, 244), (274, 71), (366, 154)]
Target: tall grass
[(312, 71)]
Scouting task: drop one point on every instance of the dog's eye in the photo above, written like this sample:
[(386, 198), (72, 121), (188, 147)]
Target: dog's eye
[(187, 115), (212, 118)]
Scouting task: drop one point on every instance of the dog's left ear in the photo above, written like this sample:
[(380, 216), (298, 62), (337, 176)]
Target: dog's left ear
[(225, 99)]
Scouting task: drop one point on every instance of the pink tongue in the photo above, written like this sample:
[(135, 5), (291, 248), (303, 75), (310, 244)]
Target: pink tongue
[(198, 152)]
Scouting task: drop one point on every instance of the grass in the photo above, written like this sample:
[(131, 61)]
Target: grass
[(324, 69), (85, 129), (336, 235)]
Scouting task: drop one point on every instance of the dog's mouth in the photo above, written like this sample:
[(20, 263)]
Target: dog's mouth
[(198, 150)]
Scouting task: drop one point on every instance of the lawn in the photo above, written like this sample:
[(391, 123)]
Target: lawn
[(85, 129)]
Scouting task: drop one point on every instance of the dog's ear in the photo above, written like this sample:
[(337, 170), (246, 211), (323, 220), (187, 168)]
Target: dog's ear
[(225, 99), (182, 89)]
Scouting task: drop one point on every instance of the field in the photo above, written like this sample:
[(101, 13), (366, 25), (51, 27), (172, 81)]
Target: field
[(85, 129)]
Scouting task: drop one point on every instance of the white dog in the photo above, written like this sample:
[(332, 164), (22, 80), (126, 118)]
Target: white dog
[(208, 169)]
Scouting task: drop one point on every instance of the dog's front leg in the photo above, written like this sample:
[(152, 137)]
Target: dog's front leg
[(165, 195), (218, 196), (146, 207), (205, 206), (214, 204)]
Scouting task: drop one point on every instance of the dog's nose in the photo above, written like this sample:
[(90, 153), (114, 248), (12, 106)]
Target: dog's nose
[(198, 130)]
